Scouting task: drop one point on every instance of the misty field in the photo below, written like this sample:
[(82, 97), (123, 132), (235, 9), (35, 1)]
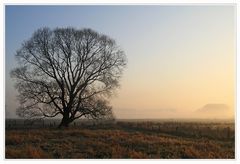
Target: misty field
[(124, 140)]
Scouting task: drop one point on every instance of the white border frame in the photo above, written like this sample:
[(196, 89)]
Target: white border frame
[(119, 2)]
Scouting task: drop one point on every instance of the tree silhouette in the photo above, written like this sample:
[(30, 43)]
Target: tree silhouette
[(68, 72)]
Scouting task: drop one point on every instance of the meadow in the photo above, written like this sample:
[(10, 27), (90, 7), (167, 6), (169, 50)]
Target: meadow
[(123, 140)]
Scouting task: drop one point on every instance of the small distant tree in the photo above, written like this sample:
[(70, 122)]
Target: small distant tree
[(67, 72)]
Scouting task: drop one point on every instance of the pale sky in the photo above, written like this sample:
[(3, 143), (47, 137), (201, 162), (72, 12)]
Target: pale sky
[(181, 59)]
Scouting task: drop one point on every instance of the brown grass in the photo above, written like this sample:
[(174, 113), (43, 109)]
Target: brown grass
[(26, 151), (115, 144)]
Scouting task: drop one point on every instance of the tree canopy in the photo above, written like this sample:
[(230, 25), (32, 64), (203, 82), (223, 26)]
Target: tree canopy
[(68, 72)]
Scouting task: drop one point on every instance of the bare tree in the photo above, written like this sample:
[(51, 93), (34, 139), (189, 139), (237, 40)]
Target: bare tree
[(67, 72)]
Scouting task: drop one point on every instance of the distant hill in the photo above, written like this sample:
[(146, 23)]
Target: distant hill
[(214, 111)]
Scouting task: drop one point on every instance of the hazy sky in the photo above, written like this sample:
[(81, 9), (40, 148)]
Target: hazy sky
[(181, 59)]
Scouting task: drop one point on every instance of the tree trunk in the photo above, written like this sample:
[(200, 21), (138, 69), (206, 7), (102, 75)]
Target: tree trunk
[(65, 121)]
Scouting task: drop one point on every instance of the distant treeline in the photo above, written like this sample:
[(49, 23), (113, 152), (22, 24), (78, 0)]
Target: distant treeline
[(199, 129)]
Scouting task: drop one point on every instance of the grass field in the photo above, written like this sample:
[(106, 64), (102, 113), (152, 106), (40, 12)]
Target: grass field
[(152, 140)]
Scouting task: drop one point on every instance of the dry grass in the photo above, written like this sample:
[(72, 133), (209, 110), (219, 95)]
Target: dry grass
[(111, 143), (26, 151)]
